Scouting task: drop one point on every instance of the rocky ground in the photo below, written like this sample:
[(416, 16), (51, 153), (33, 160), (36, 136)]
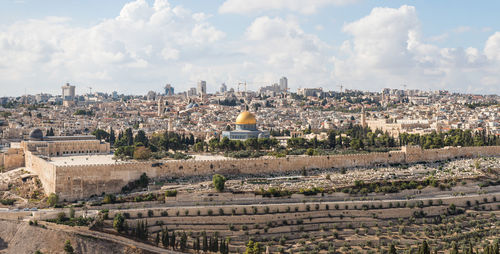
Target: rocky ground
[(20, 237), (23, 187), (335, 178)]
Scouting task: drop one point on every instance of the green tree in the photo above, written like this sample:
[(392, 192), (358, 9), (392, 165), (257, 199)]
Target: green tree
[(143, 180), (392, 249), (424, 248), (52, 199), (183, 241), (129, 137), (219, 182), (165, 238), (172, 240), (205, 241), (109, 199), (253, 248), (100, 134), (141, 138), (50, 132), (119, 223), (454, 248), (157, 239), (112, 137), (142, 153), (68, 248)]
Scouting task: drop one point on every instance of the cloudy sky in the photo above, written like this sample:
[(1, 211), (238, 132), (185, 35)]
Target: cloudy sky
[(137, 46)]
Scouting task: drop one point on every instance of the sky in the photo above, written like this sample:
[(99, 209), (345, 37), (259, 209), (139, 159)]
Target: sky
[(138, 46)]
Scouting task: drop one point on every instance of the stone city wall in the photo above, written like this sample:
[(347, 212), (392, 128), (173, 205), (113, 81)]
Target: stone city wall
[(44, 169), (77, 182), (13, 158)]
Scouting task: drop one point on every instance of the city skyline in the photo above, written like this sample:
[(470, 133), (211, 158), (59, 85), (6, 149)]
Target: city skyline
[(137, 46)]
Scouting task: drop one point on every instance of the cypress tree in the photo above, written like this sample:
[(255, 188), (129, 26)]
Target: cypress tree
[(165, 238), (205, 241), (392, 249), (172, 240)]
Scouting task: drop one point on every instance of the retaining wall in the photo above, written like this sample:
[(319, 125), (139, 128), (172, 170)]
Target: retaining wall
[(78, 182)]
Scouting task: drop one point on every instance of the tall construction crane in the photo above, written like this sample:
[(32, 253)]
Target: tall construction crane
[(241, 83), (341, 87)]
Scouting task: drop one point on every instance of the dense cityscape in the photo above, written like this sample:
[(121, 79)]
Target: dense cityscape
[(146, 132), (232, 126)]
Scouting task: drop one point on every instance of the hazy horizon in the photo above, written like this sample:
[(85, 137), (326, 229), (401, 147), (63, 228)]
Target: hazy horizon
[(133, 47)]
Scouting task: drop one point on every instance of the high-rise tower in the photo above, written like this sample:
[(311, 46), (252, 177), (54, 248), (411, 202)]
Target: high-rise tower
[(68, 92)]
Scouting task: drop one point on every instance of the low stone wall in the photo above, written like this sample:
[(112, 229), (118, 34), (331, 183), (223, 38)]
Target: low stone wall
[(78, 182)]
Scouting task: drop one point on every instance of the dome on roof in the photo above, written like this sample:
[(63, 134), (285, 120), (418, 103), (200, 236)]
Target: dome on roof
[(36, 134), (246, 117)]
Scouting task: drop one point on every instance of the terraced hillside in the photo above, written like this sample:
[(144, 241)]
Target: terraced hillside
[(349, 226)]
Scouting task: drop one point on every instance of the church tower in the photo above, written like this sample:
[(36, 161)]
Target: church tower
[(161, 103), (363, 117)]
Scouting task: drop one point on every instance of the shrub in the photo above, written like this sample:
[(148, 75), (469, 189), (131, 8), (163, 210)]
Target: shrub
[(119, 223), (219, 182), (142, 153), (150, 213), (68, 248), (109, 199), (171, 193), (52, 199)]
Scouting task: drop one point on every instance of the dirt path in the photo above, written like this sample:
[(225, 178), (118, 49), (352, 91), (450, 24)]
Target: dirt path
[(82, 231)]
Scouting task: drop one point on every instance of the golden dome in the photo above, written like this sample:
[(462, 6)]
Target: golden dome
[(246, 117)]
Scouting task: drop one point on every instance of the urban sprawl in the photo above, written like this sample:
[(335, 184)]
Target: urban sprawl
[(238, 171)]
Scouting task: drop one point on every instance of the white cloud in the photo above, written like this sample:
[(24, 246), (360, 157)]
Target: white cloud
[(131, 49), (492, 47), (305, 7), (386, 51), (148, 45)]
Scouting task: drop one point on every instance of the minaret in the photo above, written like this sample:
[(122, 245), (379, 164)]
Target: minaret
[(169, 128), (160, 106), (363, 117)]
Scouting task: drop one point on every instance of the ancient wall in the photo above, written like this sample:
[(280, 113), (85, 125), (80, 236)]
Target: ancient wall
[(14, 158), (45, 171), (77, 182)]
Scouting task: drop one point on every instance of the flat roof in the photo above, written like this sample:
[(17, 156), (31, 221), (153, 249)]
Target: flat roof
[(82, 160), (108, 159)]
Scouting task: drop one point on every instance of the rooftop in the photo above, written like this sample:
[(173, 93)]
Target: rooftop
[(108, 159)]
